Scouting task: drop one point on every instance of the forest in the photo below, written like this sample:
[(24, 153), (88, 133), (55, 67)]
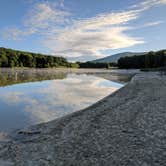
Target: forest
[(14, 58), (149, 60), (96, 65)]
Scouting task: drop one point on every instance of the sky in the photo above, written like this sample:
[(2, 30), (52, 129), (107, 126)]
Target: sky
[(82, 30)]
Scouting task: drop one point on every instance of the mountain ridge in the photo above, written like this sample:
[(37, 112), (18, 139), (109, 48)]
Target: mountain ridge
[(115, 57)]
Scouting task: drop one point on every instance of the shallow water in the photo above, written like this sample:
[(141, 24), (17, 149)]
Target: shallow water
[(28, 98)]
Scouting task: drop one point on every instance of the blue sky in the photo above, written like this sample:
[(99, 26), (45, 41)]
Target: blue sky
[(83, 29)]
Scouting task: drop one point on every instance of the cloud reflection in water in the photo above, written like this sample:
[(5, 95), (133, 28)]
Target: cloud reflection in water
[(44, 101)]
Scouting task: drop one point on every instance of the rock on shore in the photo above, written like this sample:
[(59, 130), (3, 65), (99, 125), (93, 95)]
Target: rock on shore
[(127, 128)]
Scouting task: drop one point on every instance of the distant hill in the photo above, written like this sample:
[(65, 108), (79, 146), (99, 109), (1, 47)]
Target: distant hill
[(115, 57)]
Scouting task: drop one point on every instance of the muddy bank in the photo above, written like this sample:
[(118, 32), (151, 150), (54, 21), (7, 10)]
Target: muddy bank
[(125, 128)]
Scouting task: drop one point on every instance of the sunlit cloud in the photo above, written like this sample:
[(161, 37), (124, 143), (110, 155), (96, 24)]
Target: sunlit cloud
[(81, 38), (93, 35)]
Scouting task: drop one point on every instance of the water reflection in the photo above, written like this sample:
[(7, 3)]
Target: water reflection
[(14, 76), (10, 76), (31, 103)]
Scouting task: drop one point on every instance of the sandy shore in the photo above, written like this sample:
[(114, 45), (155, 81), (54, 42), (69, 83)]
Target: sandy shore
[(126, 128)]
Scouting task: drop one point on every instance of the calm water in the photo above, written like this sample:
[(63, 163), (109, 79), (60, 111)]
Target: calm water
[(33, 97)]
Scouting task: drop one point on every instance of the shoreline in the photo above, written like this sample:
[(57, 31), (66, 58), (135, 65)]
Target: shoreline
[(74, 70), (125, 128)]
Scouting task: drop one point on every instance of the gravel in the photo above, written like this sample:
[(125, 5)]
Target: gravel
[(127, 128)]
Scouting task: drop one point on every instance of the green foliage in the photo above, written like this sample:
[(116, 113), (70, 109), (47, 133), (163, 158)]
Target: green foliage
[(96, 65), (3, 60), (149, 60), (14, 58), (74, 65)]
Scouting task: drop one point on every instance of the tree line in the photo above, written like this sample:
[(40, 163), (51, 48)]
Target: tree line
[(148, 60), (96, 65), (14, 58)]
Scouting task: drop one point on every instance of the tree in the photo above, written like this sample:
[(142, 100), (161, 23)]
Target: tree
[(149, 60), (12, 58), (3, 60)]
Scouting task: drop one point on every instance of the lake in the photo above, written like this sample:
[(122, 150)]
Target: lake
[(29, 97)]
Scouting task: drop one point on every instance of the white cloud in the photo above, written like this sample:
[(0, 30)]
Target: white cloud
[(39, 19), (147, 4), (71, 38), (45, 14), (93, 35), (149, 24), (155, 23), (16, 33)]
